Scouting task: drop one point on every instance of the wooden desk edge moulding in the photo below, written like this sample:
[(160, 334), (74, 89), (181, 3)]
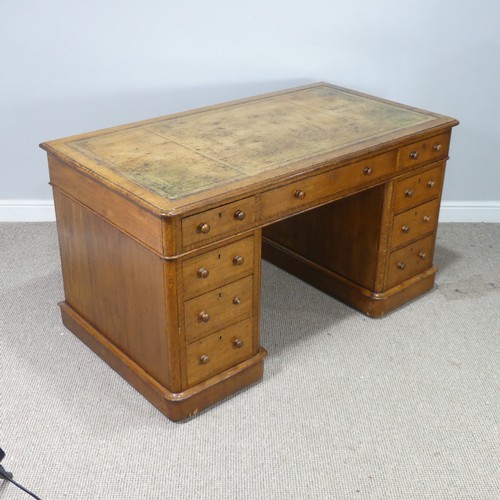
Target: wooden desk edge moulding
[(162, 225)]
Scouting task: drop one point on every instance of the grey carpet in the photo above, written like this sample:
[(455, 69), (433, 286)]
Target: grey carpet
[(407, 407)]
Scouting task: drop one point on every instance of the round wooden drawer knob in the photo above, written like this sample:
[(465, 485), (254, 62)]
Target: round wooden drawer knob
[(409, 193), (238, 260), (422, 255), (236, 301), (238, 343), (414, 155), (368, 171), (239, 215), (204, 359), (427, 218), (203, 273), (204, 228), (436, 147), (204, 316), (401, 265), (299, 194), (405, 229), (431, 184)]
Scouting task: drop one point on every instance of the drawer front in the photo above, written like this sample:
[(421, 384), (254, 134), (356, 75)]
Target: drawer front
[(414, 223), (431, 149), (310, 191), (410, 260), (225, 220), (218, 352), (216, 309), (217, 267), (418, 188)]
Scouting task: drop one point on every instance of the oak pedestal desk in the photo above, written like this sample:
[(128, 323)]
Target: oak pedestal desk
[(161, 225)]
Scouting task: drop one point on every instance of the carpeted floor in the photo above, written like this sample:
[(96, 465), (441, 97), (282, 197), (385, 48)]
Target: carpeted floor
[(407, 407)]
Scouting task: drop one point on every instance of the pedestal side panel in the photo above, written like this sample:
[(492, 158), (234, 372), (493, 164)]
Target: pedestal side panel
[(115, 284)]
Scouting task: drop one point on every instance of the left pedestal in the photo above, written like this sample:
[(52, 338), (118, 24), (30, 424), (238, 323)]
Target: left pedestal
[(183, 340)]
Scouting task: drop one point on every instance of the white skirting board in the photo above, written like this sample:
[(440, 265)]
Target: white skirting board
[(451, 211), (469, 211), (27, 211)]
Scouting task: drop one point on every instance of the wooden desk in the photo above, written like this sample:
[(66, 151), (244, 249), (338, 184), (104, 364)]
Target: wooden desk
[(161, 225)]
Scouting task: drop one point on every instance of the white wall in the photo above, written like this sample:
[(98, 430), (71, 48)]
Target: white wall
[(70, 67)]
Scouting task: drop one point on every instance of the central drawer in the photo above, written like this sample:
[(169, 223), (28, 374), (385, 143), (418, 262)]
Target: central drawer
[(311, 191), (216, 309)]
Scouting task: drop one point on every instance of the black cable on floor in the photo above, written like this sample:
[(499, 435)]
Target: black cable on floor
[(3, 473), (8, 477)]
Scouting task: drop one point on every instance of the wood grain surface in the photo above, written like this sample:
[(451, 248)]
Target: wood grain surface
[(161, 225)]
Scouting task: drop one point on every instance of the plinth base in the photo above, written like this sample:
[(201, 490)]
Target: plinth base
[(175, 405), (368, 302)]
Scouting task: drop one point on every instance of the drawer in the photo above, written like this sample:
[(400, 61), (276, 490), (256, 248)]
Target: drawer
[(217, 267), (218, 352), (414, 223), (410, 260), (212, 224), (216, 309), (430, 149), (418, 188), (312, 190)]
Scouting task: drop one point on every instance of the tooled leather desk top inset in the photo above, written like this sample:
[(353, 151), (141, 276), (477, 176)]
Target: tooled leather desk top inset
[(242, 142)]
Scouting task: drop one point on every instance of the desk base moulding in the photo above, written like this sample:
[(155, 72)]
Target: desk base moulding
[(175, 405)]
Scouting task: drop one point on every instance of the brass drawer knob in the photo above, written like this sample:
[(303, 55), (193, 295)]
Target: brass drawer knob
[(204, 316), (203, 228), (238, 343), (422, 255), (299, 194), (401, 265), (414, 155), (236, 301), (427, 218), (436, 147), (431, 184), (409, 193), (203, 273), (239, 215), (405, 229), (204, 359), (368, 171), (238, 260)]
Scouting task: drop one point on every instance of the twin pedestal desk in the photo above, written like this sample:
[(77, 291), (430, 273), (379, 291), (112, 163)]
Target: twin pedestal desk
[(162, 225)]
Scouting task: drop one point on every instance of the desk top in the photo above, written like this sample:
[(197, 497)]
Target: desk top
[(180, 161)]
